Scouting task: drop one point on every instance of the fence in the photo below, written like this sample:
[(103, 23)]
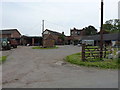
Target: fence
[(92, 52)]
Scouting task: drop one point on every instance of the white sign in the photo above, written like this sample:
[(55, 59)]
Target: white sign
[(88, 42)]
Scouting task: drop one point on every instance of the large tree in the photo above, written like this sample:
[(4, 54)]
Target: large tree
[(90, 30), (112, 25)]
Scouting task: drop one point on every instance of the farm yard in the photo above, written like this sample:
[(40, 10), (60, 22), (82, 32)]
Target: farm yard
[(76, 45), (45, 68)]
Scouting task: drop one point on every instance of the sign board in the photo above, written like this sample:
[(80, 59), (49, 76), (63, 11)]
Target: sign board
[(88, 42)]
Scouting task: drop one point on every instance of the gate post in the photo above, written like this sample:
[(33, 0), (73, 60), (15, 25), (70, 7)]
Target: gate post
[(83, 52), (105, 51)]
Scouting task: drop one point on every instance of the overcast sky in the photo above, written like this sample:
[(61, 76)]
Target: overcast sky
[(59, 15)]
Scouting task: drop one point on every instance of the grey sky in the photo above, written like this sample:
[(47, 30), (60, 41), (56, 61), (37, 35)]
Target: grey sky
[(119, 10), (59, 15)]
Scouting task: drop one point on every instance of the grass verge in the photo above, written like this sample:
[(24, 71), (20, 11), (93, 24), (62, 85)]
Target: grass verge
[(106, 64), (38, 47), (3, 59)]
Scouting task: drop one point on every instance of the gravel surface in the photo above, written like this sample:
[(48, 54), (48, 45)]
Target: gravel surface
[(29, 68)]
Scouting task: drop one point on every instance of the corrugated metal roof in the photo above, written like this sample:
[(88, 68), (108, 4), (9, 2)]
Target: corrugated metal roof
[(113, 36)]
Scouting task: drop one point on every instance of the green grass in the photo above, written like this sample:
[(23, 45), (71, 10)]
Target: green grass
[(3, 59), (92, 46), (38, 47), (106, 64)]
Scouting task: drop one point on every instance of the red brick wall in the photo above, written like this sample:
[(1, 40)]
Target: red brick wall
[(48, 43), (5, 35), (15, 34)]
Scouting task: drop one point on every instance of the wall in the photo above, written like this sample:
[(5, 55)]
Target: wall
[(5, 35), (16, 35)]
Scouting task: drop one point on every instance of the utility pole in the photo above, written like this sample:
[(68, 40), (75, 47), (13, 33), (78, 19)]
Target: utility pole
[(101, 32), (42, 30), (42, 26)]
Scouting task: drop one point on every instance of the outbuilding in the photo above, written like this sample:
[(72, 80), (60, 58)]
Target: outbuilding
[(108, 39), (11, 34)]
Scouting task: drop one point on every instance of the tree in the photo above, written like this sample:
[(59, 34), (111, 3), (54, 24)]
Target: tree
[(90, 30), (62, 38), (112, 25)]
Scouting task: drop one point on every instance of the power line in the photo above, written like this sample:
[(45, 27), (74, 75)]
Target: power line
[(56, 24)]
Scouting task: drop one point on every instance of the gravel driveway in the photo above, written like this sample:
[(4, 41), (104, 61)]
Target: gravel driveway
[(29, 68)]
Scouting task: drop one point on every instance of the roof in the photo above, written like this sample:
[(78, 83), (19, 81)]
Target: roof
[(76, 29), (31, 36), (53, 32), (113, 36), (50, 36), (9, 31)]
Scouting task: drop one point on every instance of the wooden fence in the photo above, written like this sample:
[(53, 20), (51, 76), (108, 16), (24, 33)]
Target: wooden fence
[(92, 52)]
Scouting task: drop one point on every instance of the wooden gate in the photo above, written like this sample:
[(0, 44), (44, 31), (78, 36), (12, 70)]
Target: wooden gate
[(92, 52)]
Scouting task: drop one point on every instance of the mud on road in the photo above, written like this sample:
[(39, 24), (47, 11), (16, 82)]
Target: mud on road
[(29, 68)]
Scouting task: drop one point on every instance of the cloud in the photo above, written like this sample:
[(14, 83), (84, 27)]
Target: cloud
[(51, 1), (27, 16)]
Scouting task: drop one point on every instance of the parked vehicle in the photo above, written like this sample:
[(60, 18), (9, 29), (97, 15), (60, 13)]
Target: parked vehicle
[(6, 43)]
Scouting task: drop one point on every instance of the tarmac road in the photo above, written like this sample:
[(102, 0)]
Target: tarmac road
[(29, 68)]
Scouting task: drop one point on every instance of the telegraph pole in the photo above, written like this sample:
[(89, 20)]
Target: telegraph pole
[(42, 26), (101, 32), (42, 30)]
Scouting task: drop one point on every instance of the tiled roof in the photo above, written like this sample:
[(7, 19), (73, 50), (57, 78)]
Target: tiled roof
[(53, 32), (8, 31)]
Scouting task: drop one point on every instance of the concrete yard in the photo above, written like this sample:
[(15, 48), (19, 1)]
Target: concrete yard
[(29, 68)]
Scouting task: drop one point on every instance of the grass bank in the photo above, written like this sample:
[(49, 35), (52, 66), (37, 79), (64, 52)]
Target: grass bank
[(3, 59), (106, 64), (38, 47)]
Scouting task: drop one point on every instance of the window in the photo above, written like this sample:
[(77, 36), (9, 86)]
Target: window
[(71, 33), (78, 33)]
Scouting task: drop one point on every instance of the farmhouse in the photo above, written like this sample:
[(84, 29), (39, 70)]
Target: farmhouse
[(75, 36), (11, 33)]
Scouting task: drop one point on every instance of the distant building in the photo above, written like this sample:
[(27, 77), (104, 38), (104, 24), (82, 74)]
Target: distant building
[(11, 33), (31, 40), (55, 35), (108, 39), (119, 10), (75, 35), (77, 32)]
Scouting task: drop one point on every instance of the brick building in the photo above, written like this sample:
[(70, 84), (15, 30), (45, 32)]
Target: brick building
[(11, 33), (31, 40), (75, 36), (77, 32), (56, 36)]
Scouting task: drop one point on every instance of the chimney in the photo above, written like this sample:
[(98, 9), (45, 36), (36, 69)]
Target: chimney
[(62, 33)]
